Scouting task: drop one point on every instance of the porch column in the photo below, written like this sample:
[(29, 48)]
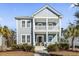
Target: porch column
[(33, 39), (33, 31), (47, 31), (59, 28), (56, 38)]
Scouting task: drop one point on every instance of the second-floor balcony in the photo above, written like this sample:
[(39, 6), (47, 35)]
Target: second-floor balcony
[(51, 26), (47, 27), (40, 27)]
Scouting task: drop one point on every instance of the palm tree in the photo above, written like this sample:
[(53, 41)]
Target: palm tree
[(77, 14), (71, 32), (7, 34), (76, 4), (13, 37)]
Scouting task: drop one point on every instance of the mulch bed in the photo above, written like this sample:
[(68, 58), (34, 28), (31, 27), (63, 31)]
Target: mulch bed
[(15, 53)]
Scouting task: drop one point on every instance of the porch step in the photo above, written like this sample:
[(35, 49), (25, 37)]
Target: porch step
[(39, 48)]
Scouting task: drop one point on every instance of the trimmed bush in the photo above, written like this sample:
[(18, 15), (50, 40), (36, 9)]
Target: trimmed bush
[(23, 47), (28, 48), (14, 47), (57, 47), (53, 47), (19, 47), (63, 46), (76, 46)]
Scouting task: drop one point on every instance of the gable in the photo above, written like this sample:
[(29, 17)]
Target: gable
[(45, 13)]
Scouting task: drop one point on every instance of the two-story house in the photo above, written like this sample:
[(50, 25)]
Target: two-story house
[(42, 28)]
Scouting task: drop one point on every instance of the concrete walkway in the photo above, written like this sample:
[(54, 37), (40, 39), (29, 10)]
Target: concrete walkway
[(40, 51)]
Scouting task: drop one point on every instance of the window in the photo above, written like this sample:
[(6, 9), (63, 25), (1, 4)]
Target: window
[(50, 24), (54, 23), (23, 38), (23, 23), (28, 23), (40, 23), (28, 38), (50, 38)]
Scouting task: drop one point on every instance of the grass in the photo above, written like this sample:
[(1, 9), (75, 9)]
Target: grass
[(16, 53), (65, 53)]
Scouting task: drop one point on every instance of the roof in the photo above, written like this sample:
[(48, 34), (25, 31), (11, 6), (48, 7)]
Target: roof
[(23, 17), (49, 8)]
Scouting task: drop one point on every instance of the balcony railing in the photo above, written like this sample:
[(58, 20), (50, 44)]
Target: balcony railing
[(40, 27), (53, 27), (44, 27)]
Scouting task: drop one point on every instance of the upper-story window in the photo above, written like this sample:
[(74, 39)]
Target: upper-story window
[(28, 24), (23, 23)]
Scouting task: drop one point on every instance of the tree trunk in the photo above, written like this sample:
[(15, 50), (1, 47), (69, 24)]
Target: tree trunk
[(72, 43)]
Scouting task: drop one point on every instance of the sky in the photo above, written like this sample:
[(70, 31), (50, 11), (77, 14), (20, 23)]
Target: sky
[(8, 12)]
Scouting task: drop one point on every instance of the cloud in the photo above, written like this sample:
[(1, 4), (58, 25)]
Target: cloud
[(72, 5)]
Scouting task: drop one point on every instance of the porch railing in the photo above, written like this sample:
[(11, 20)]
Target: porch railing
[(44, 27), (40, 27)]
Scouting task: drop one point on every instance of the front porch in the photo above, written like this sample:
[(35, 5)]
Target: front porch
[(44, 38)]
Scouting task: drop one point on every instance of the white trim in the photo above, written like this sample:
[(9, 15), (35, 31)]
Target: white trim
[(17, 31), (34, 31), (60, 29), (48, 17), (47, 31)]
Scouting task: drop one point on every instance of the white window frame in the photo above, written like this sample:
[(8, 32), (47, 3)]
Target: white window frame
[(30, 23), (30, 38), (25, 38), (21, 23)]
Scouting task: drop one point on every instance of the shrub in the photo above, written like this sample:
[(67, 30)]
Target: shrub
[(76, 46), (57, 47), (63, 46), (23, 47), (53, 47), (27, 47), (19, 47), (14, 47)]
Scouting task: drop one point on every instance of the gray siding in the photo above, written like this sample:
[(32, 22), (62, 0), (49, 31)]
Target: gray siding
[(20, 30)]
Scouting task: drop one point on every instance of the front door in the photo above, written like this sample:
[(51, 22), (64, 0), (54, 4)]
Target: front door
[(40, 40)]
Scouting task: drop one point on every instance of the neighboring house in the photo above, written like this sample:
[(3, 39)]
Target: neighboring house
[(42, 28), (2, 42)]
